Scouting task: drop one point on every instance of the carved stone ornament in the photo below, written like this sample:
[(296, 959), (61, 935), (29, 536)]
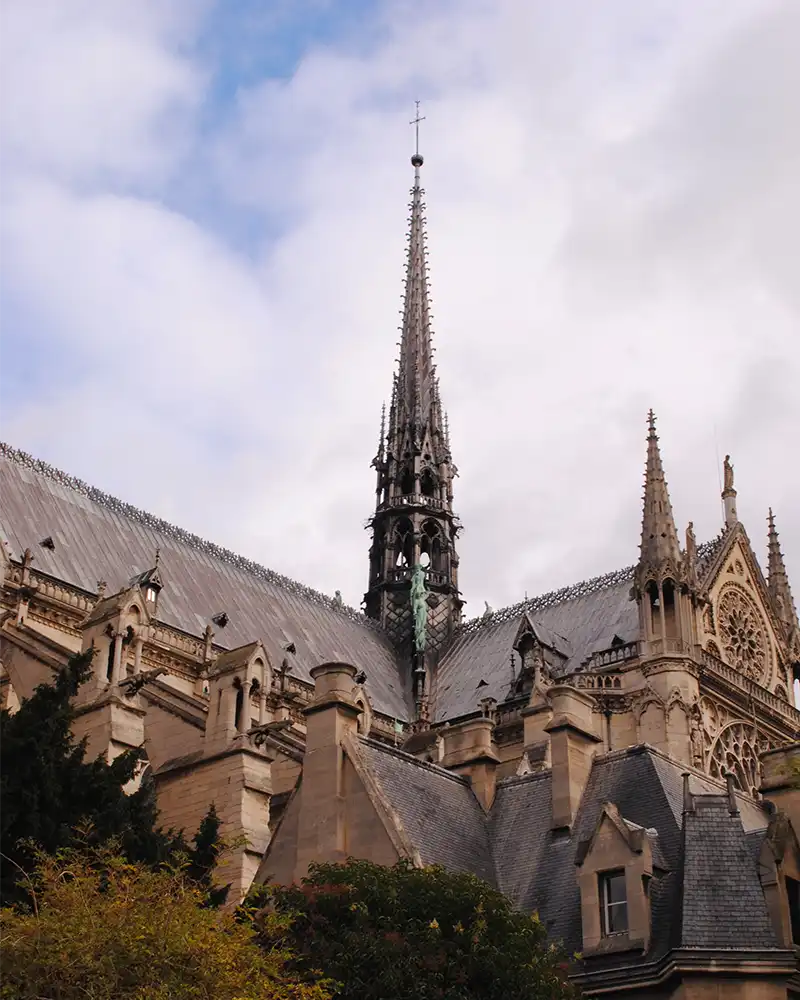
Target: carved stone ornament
[(743, 634), (735, 751)]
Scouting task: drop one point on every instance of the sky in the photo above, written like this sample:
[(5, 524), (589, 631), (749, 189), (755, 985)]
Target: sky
[(202, 222)]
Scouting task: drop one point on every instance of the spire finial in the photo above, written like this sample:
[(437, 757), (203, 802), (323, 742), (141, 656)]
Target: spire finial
[(660, 549), (416, 159), (778, 579)]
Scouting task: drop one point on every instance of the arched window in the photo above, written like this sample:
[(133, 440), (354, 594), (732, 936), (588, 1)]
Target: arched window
[(428, 483), (110, 661), (654, 606), (403, 548), (239, 715), (670, 615), (406, 482), (431, 546)]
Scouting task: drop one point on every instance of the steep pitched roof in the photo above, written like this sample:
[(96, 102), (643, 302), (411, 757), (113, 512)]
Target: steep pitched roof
[(477, 665), (96, 535), (577, 621), (437, 809), (536, 866), (723, 904)]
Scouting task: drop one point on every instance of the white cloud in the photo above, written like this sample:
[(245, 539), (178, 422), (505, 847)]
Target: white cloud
[(612, 221)]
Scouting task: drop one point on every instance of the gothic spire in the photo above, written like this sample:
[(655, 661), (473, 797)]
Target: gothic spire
[(777, 578), (418, 404), (660, 548), (414, 528)]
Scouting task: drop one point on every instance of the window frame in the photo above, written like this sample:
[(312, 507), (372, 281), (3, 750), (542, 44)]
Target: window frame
[(611, 908)]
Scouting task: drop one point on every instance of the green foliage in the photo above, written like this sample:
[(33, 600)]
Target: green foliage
[(53, 797), (405, 933), (105, 929)]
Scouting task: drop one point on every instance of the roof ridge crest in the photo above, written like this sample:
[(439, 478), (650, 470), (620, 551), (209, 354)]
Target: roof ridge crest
[(120, 507)]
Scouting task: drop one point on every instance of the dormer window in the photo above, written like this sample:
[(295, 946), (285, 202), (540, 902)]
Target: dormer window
[(150, 595), (613, 903)]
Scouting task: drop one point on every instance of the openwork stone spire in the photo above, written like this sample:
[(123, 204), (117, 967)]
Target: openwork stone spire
[(778, 579), (416, 405), (660, 553), (414, 528)]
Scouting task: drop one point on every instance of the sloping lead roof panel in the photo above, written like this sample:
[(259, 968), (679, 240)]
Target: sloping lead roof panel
[(97, 536), (483, 653), (587, 616)]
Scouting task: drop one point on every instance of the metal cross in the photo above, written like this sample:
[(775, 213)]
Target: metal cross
[(416, 122)]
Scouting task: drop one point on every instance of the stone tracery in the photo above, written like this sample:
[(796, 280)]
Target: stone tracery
[(743, 634), (735, 751)]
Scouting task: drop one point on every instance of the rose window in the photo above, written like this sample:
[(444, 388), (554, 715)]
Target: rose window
[(736, 752), (741, 631)]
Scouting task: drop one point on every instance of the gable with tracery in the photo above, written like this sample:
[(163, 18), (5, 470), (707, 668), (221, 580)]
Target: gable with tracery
[(738, 624)]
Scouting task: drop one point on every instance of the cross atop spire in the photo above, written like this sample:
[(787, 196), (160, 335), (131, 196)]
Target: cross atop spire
[(777, 578), (415, 122), (660, 548)]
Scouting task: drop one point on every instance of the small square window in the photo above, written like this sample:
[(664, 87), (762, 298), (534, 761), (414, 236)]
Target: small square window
[(613, 902)]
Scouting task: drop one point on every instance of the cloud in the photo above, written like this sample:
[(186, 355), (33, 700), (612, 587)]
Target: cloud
[(612, 216)]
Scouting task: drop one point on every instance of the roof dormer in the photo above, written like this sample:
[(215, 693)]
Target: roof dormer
[(615, 866)]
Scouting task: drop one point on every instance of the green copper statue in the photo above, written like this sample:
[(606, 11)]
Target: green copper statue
[(419, 606)]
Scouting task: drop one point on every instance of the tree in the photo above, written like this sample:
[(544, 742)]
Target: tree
[(103, 928), (50, 791), (406, 933)]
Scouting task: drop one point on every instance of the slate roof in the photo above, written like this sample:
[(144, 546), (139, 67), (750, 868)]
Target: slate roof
[(438, 811), (719, 869), (98, 536), (536, 866), (703, 860)]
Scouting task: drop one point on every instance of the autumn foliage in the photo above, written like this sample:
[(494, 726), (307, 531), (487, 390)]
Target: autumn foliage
[(406, 933), (103, 928)]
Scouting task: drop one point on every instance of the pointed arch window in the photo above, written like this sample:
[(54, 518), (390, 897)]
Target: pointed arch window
[(654, 608), (403, 546), (406, 481), (429, 484), (431, 546), (670, 611)]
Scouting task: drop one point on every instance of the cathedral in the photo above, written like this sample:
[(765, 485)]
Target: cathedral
[(621, 757)]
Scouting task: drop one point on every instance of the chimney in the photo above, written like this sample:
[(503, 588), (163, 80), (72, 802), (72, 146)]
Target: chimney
[(572, 745), (469, 750), (332, 715)]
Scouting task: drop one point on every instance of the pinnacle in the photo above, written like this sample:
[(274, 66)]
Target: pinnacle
[(777, 577), (659, 546)]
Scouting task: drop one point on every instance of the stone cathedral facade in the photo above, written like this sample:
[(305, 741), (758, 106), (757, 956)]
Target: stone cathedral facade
[(620, 756)]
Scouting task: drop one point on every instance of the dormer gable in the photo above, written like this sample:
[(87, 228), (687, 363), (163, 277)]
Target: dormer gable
[(239, 683), (615, 866), (116, 627), (150, 583), (541, 651)]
